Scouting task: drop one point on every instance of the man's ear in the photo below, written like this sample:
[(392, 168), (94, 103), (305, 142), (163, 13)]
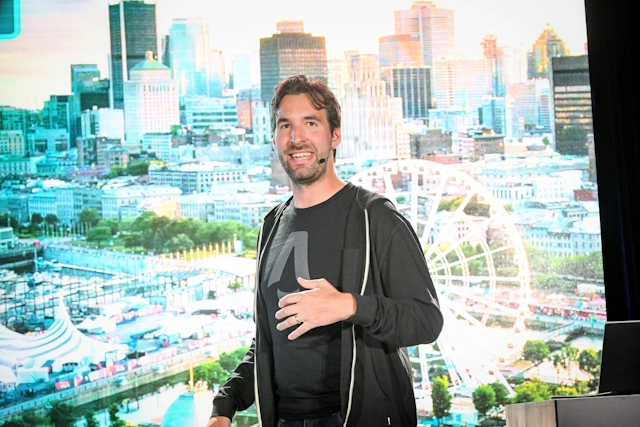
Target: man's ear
[(336, 138)]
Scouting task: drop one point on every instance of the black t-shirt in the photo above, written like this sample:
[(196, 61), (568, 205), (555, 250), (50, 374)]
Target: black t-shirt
[(308, 243)]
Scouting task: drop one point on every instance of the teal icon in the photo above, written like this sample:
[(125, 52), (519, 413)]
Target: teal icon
[(9, 19)]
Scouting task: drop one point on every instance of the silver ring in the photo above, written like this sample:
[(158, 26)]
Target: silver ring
[(296, 319)]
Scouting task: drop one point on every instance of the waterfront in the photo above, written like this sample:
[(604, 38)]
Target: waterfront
[(154, 324), (148, 405)]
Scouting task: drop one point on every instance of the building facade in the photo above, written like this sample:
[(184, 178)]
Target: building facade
[(532, 104), (369, 113), (132, 33), (413, 85), (105, 122), (204, 113), (432, 26), (246, 70), (12, 142), (190, 56), (290, 52), (400, 50), (573, 119), (89, 92), (461, 82), (548, 45), (196, 177), (151, 101)]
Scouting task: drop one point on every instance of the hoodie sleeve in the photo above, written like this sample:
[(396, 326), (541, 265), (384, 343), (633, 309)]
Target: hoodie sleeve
[(237, 393), (399, 305)]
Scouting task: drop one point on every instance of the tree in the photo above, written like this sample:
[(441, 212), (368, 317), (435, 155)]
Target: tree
[(569, 354), (89, 216), (99, 234), (115, 172), (138, 169), (535, 351), (91, 420), (181, 242), (111, 223), (474, 208), (212, 373), (450, 204), (62, 415), (531, 391), (51, 219), (30, 418), (216, 373), (566, 391), (7, 220), (16, 422), (114, 419), (557, 363), (229, 360), (484, 398), (36, 218), (441, 398), (589, 362), (235, 285), (132, 240), (502, 394)]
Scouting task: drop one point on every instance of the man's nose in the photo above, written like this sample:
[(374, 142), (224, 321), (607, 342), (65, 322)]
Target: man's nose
[(297, 134)]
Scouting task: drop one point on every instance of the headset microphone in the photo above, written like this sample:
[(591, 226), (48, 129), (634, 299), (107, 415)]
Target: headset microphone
[(321, 161)]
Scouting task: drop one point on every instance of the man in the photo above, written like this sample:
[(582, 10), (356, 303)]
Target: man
[(342, 289)]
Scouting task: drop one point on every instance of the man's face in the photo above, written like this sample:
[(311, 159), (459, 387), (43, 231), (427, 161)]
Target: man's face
[(302, 138)]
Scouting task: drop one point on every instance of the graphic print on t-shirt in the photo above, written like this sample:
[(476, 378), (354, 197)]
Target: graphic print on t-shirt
[(298, 243)]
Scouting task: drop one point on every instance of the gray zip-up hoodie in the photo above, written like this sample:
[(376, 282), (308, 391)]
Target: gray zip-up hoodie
[(396, 307)]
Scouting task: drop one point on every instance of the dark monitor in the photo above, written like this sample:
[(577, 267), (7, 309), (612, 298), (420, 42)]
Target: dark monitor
[(620, 364)]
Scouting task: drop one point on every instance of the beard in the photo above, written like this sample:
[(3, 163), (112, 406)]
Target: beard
[(302, 175)]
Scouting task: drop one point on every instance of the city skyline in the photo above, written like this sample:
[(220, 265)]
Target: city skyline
[(77, 32)]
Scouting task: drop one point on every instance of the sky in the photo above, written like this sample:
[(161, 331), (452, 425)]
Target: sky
[(57, 33)]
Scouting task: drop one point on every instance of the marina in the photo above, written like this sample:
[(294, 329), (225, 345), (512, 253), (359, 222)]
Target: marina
[(169, 315)]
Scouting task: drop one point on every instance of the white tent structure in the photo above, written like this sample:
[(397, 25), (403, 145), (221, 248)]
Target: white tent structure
[(7, 376), (97, 322), (61, 343)]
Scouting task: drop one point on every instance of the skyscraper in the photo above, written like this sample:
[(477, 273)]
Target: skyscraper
[(337, 76), (462, 81), (532, 104), (369, 114), (189, 53), (246, 70), (217, 73), (290, 52), (151, 101), (413, 85), (549, 45), (56, 113), (89, 91), (400, 50), (571, 90), (132, 29), (88, 88), (432, 26), (493, 53), (496, 114)]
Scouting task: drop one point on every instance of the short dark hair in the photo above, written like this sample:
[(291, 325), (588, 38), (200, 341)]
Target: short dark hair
[(317, 90)]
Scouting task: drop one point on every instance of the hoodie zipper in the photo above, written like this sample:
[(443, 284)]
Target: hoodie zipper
[(353, 327), (255, 310), (261, 250)]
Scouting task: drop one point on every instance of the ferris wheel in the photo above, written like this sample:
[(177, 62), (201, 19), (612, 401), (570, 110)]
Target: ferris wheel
[(474, 252)]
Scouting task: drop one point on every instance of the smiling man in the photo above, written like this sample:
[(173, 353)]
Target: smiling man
[(343, 289)]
